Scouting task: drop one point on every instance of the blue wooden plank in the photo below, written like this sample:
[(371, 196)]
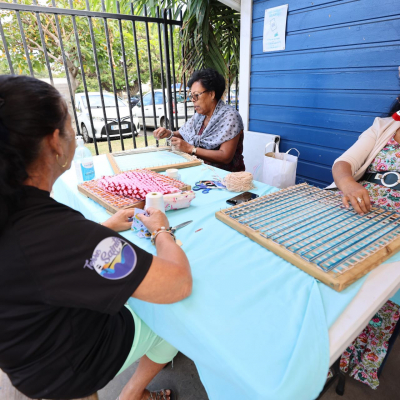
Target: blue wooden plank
[(367, 79), (340, 120), (317, 172), (334, 100), (339, 71), (343, 57), (324, 156), (383, 30), (259, 7), (331, 138), (338, 13)]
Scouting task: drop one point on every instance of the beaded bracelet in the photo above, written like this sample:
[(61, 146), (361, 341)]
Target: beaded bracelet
[(158, 231)]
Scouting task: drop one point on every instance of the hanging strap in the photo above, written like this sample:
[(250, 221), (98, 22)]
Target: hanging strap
[(275, 149), (298, 153)]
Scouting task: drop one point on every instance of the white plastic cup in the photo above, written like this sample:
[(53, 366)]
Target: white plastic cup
[(173, 173)]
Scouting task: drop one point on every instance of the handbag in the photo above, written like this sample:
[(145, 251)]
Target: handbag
[(279, 169)]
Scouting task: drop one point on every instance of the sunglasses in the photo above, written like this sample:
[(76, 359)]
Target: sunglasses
[(195, 96)]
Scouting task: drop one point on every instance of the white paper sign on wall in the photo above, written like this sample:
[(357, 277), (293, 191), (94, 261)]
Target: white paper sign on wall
[(275, 28)]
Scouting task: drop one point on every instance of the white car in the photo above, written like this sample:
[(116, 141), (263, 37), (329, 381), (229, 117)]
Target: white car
[(161, 119), (98, 117)]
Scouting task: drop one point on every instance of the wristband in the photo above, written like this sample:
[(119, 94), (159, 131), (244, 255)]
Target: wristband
[(170, 136), (194, 150), (158, 231)]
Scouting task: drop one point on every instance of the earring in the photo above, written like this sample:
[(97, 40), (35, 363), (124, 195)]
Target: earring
[(62, 166)]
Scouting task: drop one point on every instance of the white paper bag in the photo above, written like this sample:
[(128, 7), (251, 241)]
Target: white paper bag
[(279, 169)]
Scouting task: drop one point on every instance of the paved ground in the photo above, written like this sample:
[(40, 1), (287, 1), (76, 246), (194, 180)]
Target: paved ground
[(184, 377)]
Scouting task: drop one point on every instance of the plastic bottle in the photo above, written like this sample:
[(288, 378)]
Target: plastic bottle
[(83, 162)]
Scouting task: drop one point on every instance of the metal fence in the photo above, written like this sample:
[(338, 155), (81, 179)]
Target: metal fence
[(61, 24)]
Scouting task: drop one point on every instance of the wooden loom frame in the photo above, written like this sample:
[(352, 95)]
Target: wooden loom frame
[(192, 160), (336, 282)]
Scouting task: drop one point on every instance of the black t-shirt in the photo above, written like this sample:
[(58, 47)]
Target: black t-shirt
[(64, 330)]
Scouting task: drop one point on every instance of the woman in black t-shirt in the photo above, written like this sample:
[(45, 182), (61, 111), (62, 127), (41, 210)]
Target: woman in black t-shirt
[(65, 329)]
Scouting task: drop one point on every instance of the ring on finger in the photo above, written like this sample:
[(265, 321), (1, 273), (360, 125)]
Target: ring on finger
[(360, 200)]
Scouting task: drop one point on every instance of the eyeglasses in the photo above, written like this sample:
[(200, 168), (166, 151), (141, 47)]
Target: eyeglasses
[(195, 96)]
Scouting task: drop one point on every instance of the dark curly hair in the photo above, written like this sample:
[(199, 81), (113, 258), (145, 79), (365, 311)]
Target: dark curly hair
[(30, 110), (210, 79)]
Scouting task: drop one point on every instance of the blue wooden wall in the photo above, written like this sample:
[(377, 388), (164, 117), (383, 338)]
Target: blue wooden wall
[(338, 72)]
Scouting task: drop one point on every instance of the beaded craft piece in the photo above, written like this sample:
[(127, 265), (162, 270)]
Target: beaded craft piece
[(114, 202)]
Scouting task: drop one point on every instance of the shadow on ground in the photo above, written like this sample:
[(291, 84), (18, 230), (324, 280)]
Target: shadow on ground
[(182, 376)]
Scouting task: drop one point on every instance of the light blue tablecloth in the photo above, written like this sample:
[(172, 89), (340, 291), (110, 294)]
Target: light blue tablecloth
[(255, 325)]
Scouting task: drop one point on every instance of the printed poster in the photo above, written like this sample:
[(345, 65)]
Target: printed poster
[(275, 28)]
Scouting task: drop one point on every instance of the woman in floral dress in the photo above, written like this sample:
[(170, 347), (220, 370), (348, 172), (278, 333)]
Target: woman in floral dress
[(377, 151)]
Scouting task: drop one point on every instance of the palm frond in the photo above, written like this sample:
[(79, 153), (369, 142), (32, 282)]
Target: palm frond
[(210, 33)]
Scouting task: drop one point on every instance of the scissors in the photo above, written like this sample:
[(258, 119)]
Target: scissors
[(180, 226), (206, 186)]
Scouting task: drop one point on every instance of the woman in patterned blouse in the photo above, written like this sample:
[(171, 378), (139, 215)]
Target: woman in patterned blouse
[(215, 132), (368, 173)]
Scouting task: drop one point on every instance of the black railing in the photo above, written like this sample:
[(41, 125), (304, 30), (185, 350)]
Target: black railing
[(115, 125)]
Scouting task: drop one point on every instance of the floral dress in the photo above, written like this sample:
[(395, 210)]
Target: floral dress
[(388, 159), (366, 354)]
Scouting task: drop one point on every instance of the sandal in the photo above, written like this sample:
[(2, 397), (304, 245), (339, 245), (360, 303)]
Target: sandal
[(161, 395)]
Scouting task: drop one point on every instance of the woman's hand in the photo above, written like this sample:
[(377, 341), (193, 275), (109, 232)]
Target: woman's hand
[(155, 220), (161, 133), (181, 145), (119, 221), (353, 192)]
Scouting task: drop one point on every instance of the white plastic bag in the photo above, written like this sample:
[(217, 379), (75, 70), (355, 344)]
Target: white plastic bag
[(279, 169)]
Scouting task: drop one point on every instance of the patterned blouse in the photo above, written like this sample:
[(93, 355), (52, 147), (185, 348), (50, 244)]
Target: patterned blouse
[(388, 159), (225, 124)]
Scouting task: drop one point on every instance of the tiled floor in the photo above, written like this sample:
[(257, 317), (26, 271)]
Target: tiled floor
[(184, 377)]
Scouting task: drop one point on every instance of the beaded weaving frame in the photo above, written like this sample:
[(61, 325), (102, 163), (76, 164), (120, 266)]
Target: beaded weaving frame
[(310, 228)]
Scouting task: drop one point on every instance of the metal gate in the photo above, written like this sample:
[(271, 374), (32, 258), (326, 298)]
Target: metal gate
[(61, 25)]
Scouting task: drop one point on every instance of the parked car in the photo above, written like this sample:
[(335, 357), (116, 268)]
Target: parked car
[(98, 117), (179, 87), (161, 118), (232, 98), (134, 100)]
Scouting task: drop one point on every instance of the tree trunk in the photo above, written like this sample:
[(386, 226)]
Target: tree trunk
[(72, 73), (134, 88)]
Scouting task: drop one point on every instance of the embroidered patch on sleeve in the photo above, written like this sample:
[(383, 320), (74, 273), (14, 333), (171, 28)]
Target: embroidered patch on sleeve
[(113, 258)]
